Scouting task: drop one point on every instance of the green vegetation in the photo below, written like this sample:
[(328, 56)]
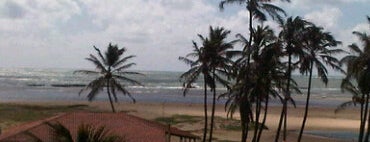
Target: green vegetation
[(13, 114), (357, 80), (263, 68), (234, 125), (179, 118), (85, 133)]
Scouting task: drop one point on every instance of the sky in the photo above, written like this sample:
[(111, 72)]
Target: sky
[(61, 33)]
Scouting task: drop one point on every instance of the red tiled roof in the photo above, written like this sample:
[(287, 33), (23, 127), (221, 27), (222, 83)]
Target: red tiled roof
[(132, 128)]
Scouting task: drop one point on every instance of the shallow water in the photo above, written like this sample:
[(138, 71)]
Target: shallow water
[(340, 135)]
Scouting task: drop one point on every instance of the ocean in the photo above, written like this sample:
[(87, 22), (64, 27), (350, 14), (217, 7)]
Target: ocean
[(30, 84)]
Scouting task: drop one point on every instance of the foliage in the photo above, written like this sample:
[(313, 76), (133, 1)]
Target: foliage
[(357, 80), (178, 118), (212, 62), (112, 69), (14, 114), (85, 133)]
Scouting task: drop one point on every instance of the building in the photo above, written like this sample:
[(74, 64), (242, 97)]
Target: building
[(131, 128)]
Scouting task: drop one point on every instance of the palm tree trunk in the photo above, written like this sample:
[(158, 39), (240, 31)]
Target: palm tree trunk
[(264, 119), (362, 122), (368, 121), (283, 115), (307, 103), (205, 110), (244, 115), (245, 110), (365, 115), (256, 123), (213, 108), (110, 97)]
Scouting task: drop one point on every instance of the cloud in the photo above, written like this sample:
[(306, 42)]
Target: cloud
[(62, 33), (40, 33), (326, 17), (11, 9), (312, 4)]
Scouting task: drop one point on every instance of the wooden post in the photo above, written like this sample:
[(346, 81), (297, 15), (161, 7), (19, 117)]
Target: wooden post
[(168, 133)]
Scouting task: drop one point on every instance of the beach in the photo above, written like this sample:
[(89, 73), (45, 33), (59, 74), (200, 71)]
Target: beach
[(321, 119), (54, 91)]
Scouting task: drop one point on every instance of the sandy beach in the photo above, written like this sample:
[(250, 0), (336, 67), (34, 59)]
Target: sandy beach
[(322, 119)]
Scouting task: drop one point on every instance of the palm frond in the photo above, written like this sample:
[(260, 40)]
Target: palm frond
[(123, 67), (344, 105), (222, 3), (186, 60), (99, 53), (95, 86), (86, 72), (130, 73), (119, 87), (61, 133), (274, 11), (354, 47), (113, 90), (132, 81), (123, 60), (88, 133), (189, 78), (97, 63)]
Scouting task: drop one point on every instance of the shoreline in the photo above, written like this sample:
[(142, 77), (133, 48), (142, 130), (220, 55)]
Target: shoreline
[(320, 118)]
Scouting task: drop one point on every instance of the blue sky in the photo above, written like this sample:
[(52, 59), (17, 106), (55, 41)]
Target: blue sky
[(61, 33)]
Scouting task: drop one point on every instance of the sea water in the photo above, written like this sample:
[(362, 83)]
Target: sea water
[(31, 84)]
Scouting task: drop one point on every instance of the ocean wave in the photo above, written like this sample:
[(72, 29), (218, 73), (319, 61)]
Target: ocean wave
[(68, 85)]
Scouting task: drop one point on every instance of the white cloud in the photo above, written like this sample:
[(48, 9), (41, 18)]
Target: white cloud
[(326, 17), (62, 33), (43, 33), (312, 4)]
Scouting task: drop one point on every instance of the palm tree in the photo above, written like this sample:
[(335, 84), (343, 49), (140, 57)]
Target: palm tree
[(265, 76), (292, 34), (220, 64), (111, 68), (198, 66), (257, 10), (85, 133), (317, 53), (358, 71), (269, 75), (210, 61)]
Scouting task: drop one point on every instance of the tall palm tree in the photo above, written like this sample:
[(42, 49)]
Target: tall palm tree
[(220, 64), (358, 71), (265, 77), (199, 65), (318, 54), (112, 69), (292, 34), (257, 10), (211, 61)]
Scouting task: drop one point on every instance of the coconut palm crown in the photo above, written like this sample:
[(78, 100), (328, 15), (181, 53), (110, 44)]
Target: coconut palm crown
[(357, 80), (85, 133), (111, 68)]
